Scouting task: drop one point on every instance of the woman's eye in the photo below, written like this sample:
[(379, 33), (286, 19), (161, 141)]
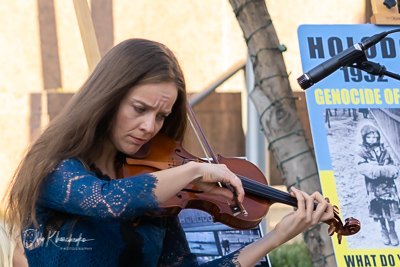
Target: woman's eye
[(139, 109), (162, 116)]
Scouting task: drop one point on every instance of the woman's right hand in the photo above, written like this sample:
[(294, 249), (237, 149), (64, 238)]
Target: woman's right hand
[(211, 174), (204, 175)]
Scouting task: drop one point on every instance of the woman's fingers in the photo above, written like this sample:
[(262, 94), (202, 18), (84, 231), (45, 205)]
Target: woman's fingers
[(328, 214), (300, 199), (306, 205), (214, 173), (311, 209), (324, 208), (237, 184), (310, 203)]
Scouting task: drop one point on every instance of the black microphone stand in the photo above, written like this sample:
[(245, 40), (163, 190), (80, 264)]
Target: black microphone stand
[(374, 68)]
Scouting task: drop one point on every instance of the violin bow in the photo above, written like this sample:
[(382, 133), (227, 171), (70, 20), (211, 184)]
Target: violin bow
[(238, 208), (88, 35)]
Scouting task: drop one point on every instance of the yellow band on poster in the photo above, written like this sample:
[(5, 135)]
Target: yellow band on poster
[(346, 257)]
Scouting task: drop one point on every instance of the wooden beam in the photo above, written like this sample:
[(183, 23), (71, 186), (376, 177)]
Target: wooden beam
[(88, 34)]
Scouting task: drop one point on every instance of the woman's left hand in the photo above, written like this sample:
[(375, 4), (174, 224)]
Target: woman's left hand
[(305, 216), (290, 226)]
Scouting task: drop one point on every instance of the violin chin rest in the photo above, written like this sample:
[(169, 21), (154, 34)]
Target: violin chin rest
[(143, 151)]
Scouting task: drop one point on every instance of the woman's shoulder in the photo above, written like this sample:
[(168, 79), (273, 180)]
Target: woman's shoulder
[(70, 164)]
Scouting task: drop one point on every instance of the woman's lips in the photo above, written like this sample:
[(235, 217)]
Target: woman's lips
[(138, 141)]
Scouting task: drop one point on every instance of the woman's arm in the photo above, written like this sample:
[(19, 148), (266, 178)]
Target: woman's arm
[(19, 259), (176, 249), (204, 175), (290, 226), (71, 188)]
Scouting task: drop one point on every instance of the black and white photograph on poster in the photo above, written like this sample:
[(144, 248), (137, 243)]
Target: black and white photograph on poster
[(232, 240), (209, 240), (364, 147), (202, 243)]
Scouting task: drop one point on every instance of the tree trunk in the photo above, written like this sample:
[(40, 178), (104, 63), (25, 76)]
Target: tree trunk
[(275, 104)]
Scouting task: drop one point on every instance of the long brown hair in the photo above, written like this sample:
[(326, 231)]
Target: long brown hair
[(85, 123)]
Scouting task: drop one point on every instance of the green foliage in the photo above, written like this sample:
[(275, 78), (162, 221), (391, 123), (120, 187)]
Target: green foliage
[(290, 255)]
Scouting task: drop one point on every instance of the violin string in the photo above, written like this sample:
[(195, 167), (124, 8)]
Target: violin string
[(268, 192), (259, 188)]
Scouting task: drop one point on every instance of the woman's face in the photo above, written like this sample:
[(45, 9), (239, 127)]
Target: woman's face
[(141, 115), (371, 138)]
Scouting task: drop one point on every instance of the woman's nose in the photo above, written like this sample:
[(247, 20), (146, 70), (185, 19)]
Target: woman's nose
[(148, 125)]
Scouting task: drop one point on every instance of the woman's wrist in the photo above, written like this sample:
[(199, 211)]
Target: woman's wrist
[(251, 254), (194, 171), (275, 239)]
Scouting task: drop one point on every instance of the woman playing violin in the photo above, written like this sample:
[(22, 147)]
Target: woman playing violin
[(71, 209)]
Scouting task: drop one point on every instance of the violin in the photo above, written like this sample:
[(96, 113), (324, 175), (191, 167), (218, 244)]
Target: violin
[(162, 153)]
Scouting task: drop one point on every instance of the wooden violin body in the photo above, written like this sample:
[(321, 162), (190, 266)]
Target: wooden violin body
[(163, 153), (191, 197)]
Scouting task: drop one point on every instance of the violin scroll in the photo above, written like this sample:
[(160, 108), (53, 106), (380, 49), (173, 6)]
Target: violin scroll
[(351, 226)]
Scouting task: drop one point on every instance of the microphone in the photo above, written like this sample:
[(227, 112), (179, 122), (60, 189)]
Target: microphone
[(345, 58)]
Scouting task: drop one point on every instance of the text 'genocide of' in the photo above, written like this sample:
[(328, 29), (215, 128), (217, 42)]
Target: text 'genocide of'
[(389, 96)]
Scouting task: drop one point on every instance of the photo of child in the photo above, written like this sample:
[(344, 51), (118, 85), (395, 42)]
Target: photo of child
[(364, 153), (376, 165)]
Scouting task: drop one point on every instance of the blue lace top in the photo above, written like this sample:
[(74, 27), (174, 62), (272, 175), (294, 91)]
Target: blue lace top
[(101, 208)]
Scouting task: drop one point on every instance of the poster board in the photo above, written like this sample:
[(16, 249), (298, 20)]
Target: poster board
[(339, 106), (210, 240)]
